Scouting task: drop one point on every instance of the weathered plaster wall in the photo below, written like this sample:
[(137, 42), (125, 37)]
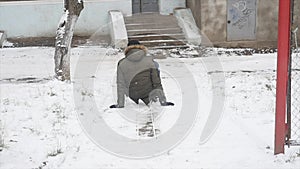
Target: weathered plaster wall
[(195, 6), (166, 6), (297, 18), (40, 18), (211, 18), (266, 21)]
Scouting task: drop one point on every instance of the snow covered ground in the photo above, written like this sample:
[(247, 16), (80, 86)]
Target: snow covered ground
[(45, 123)]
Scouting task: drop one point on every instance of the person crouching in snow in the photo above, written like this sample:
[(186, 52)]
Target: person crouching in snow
[(138, 77)]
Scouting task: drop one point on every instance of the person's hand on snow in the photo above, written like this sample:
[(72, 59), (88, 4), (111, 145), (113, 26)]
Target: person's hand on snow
[(115, 106), (167, 104)]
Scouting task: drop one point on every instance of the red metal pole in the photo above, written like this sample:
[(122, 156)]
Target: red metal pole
[(282, 73)]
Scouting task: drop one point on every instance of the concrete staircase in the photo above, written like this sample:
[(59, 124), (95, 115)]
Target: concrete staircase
[(155, 31)]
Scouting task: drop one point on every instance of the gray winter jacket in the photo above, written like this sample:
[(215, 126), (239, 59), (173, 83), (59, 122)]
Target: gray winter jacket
[(137, 76)]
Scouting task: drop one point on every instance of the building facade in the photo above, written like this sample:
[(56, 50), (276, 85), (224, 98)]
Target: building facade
[(39, 18), (224, 23)]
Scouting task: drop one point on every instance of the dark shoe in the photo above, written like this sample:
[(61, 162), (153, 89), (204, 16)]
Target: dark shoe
[(115, 106), (167, 104)]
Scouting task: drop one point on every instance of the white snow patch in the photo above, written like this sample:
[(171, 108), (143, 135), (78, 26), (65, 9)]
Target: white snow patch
[(41, 129)]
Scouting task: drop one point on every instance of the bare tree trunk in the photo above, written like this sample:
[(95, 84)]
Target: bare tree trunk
[(64, 35)]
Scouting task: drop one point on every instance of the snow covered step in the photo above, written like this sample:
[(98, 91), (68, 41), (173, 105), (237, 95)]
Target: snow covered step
[(134, 26), (163, 41), (151, 16), (157, 19), (179, 36), (149, 22), (169, 47), (154, 31), (158, 35), (167, 42)]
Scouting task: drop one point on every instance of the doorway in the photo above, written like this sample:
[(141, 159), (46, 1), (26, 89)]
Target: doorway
[(144, 6), (241, 23)]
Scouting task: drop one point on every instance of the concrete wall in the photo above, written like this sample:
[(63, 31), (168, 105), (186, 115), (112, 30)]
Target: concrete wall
[(211, 18), (267, 22), (297, 18), (166, 6), (40, 18), (195, 6)]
